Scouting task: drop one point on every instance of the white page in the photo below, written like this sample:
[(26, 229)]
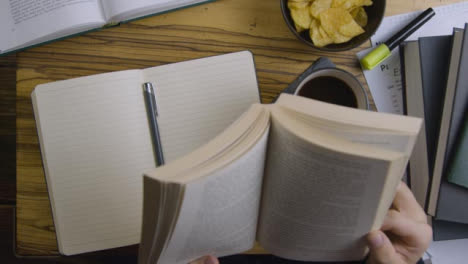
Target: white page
[(116, 7), (449, 251), (314, 193), (198, 99), (385, 85), (446, 18), (220, 212), (121, 10), (26, 22), (381, 138), (94, 154), (384, 82)]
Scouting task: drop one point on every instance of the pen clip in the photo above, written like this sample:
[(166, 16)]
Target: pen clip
[(148, 86)]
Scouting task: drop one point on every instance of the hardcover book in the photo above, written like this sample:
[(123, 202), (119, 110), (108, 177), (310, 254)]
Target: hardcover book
[(435, 59), (457, 142), (452, 124), (457, 170), (425, 65), (444, 230), (452, 199), (418, 167)]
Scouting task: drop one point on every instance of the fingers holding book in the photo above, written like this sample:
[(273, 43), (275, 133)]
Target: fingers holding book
[(404, 235)]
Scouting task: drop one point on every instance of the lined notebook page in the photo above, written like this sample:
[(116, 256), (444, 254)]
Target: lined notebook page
[(95, 139), (198, 99), (95, 144)]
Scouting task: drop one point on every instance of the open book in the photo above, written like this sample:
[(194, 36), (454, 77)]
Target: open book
[(307, 179), (26, 23)]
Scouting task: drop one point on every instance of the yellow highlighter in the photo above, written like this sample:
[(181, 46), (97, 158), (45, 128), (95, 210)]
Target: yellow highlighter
[(384, 50)]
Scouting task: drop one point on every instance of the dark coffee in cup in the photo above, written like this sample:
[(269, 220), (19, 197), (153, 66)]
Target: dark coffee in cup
[(329, 89), (334, 86)]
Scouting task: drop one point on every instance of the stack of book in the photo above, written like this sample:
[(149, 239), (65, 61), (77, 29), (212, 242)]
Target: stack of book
[(435, 82)]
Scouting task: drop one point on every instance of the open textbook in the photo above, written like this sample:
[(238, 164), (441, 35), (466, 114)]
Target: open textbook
[(306, 179), (25, 23)]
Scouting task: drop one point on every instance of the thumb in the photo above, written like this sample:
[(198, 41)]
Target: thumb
[(381, 249), (206, 260)]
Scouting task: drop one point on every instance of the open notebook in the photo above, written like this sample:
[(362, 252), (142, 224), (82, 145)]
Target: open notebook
[(95, 139)]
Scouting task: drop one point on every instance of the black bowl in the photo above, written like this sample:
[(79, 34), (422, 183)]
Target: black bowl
[(375, 14)]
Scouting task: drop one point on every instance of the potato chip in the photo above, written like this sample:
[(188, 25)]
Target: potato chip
[(318, 6), (314, 25), (360, 16), (329, 21), (351, 29), (350, 4), (299, 28), (319, 36), (300, 4), (338, 21), (354, 12), (337, 38), (301, 18)]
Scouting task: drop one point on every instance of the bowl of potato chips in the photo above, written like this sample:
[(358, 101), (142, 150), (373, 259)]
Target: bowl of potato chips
[(333, 25)]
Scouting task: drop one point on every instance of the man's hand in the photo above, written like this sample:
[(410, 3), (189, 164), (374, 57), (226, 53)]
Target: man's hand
[(206, 260), (404, 235)]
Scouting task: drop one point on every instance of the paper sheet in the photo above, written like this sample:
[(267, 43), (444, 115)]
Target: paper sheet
[(385, 80), (448, 252), (385, 83)]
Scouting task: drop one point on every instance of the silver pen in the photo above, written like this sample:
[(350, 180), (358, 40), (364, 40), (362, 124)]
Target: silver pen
[(152, 111)]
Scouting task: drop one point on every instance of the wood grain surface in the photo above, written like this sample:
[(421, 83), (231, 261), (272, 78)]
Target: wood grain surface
[(210, 29), (7, 129)]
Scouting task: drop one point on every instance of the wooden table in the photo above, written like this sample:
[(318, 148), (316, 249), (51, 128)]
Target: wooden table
[(211, 29)]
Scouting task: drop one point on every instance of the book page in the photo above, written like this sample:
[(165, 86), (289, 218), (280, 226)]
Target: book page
[(200, 98), (322, 194), (208, 164), (220, 211), (95, 145), (25, 22), (387, 131), (381, 138), (121, 10)]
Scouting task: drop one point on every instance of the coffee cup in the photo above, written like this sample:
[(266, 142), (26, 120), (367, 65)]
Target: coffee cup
[(334, 86)]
